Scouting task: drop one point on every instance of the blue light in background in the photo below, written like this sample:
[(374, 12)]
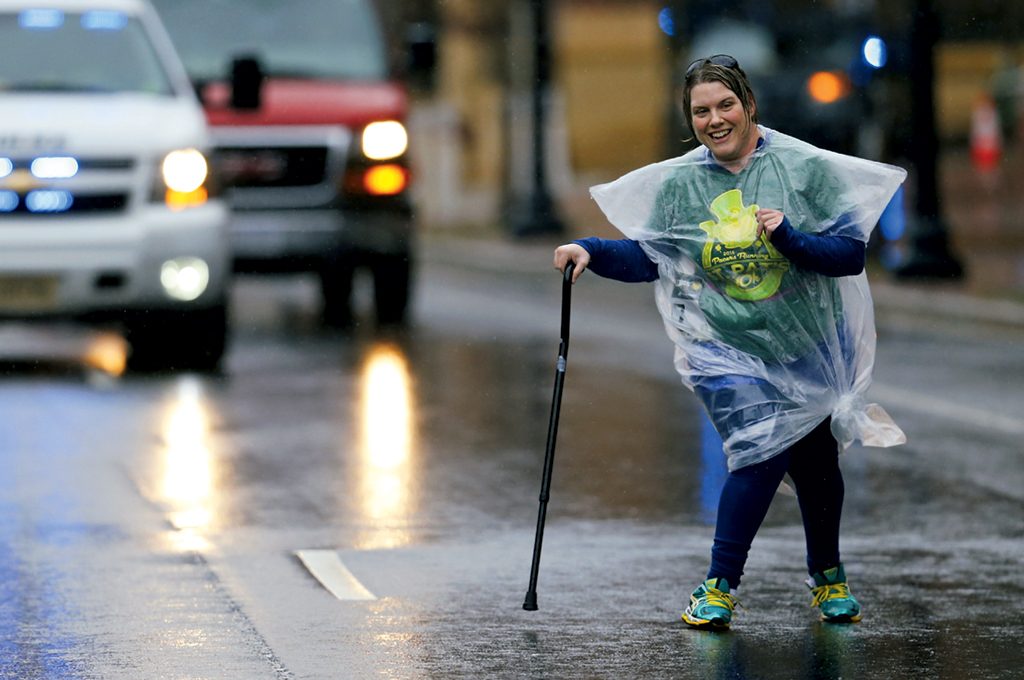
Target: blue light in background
[(6, 167), (44, 19), (893, 225), (893, 222), (874, 51), (47, 201), (104, 20), (8, 201), (666, 22)]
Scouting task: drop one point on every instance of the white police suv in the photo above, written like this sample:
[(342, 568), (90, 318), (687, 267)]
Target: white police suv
[(107, 211)]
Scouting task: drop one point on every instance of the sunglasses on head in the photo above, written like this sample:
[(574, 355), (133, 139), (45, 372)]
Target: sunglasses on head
[(717, 59)]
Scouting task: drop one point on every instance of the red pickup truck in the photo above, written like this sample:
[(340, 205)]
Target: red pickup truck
[(310, 144)]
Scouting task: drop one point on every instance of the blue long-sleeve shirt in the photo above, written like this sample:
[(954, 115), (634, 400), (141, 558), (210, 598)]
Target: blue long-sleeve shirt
[(826, 254)]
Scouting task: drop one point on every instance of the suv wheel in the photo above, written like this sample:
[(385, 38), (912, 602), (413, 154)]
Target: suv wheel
[(179, 340)]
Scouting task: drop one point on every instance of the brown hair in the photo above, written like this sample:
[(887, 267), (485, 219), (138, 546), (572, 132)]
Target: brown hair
[(732, 77)]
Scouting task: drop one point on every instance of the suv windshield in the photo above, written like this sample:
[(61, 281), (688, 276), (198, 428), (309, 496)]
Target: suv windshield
[(309, 39), (47, 50)]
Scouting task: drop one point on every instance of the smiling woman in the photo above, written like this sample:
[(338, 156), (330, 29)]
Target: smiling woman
[(720, 109), (756, 241), (722, 123)]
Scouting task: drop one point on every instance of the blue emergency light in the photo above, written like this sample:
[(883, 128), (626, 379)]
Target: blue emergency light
[(41, 19), (104, 20), (8, 201), (874, 51), (48, 201)]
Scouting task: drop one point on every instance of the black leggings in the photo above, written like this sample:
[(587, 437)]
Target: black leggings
[(813, 465)]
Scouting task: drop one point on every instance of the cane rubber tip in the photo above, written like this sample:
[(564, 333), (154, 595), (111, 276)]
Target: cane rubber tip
[(531, 602)]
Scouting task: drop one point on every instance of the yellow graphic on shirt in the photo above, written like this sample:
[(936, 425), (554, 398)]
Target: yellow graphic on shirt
[(745, 266)]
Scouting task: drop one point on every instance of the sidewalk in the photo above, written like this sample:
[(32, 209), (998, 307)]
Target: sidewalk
[(947, 303), (985, 220), (984, 217)]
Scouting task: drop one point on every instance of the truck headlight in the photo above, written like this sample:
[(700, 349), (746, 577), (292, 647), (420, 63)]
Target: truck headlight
[(384, 139), (184, 173)]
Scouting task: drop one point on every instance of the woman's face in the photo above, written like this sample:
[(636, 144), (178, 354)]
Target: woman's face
[(721, 123)]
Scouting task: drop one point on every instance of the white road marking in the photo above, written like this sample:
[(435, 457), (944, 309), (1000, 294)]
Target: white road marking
[(327, 568), (933, 406)]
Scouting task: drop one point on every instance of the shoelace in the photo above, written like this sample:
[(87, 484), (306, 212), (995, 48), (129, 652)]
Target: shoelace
[(829, 591), (716, 598)]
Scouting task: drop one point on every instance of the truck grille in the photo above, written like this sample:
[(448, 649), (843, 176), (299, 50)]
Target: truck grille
[(280, 167), (248, 167)]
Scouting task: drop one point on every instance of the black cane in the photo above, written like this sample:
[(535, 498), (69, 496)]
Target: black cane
[(549, 457)]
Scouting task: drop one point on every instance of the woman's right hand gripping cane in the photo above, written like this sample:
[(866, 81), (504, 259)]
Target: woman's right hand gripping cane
[(575, 253)]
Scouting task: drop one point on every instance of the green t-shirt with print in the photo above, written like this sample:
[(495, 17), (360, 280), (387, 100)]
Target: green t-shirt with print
[(752, 297)]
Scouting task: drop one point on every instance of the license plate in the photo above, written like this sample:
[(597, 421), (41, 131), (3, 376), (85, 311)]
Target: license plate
[(27, 293)]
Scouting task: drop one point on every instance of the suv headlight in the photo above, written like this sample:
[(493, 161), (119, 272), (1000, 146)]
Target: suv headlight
[(184, 171), (182, 180), (384, 139), (185, 278)]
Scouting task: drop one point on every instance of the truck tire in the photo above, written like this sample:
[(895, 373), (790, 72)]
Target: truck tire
[(392, 278), (179, 340), (336, 292)]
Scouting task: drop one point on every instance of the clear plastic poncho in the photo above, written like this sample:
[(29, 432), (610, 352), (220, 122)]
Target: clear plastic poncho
[(771, 349)]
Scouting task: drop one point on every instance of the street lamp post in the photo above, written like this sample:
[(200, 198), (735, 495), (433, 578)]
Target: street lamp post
[(537, 214), (930, 256)]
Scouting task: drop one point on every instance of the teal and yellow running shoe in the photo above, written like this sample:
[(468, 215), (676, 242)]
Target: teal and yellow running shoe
[(831, 594), (711, 605)]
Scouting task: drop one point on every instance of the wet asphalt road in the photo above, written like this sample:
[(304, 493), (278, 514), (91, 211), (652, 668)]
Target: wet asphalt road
[(156, 526)]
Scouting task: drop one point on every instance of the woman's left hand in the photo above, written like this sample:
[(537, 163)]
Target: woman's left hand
[(767, 221)]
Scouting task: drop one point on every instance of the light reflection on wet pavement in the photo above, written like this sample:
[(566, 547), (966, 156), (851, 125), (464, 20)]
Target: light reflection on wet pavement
[(417, 457)]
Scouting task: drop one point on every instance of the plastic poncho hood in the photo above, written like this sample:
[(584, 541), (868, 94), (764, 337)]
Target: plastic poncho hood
[(772, 349)]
